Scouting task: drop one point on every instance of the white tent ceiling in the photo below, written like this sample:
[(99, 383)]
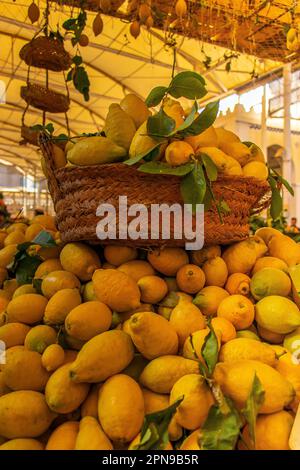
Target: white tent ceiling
[(116, 63)]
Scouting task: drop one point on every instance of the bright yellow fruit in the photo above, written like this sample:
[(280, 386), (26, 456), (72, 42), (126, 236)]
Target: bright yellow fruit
[(119, 254), (64, 436), (245, 348), (285, 248), (192, 441), (154, 401), (174, 110), (258, 170), (119, 126), (62, 394), (136, 108), (270, 281), (272, 432), (199, 257), (236, 379), (168, 260), (117, 290), (24, 414), (247, 334), (178, 153), (60, 305), (269, 336), (22, 444), (39, 337), (152, 335), (79, 259), (102, 356), (90, 405), (238, 309), (267, 233), (141, 142), (24, 289), (193, 345), (277, 314), (161, 374), (193, 410), (153, 289), (46, 221), (137, 269), (215, 271), (53, 357), (121, 408), (88, 320), (238, 283), (209, 299), (226, 136), (16, 226), (91, 436), (185, 319), (13, 334), (269, 262), (207, 138), (14, 238), (58, 280), (7, 255), (26, 308), (190, 278), (88, 293), (237, 150), (289, 368), (241, 257), (223, 329), (95, 150), (23, 370)]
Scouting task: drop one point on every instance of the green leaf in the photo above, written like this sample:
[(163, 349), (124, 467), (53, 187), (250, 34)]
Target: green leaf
[(191, 85), (283, 181), (193, 186), (210, 167), (81, 81), (61, 137), (44, 239), (254, 401), (155, 96), (205, 119), (69, 77), (221, 429), (154, 433), (69, 25), (26, 269), (276, 202), (160, 124), (189, 119), (160, 168), (210, 350), (77, 59), (140, 156), (37, 284), (50, 128)]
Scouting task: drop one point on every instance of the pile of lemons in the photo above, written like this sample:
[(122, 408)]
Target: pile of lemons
[(105, 336)]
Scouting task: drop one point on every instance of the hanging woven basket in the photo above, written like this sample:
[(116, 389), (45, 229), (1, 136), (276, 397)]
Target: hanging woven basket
[(78, 191), (45, 99), (46, 53)]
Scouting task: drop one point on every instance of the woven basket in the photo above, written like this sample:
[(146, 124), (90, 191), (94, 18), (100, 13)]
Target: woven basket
[(46, 53), (78, 191), (42, 98)]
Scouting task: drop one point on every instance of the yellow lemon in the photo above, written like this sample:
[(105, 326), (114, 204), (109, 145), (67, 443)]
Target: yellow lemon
[(163, 372), (137, 269), (207, 138), (26, 308), (88, 320), (238, 310), (209, 299), (194, 408), (22, 444), (91, 436), (236, 379), (258, 170), (154, 401), (238, 283), (116, 289), (199, 257), (13, 334), (120, 420), (40, 337), (178, 153), (119, 254), (153, 289), (7, 255), (246, 348), (168, 260), (46, 267), (63, 437), (270, 336), (58, 280), (286, 249), (53, 357), (79, 259), (14, 238), (190, 278), (270, 281), (152, 335), (269, 262), (215, 271), (185, 319), (60, 304), (223, 328), (277, 314)]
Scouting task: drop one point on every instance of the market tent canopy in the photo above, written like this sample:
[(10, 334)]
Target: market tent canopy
[(116, 63)]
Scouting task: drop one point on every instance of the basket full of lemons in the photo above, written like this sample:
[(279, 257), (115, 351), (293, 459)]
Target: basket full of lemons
[(155, 152)]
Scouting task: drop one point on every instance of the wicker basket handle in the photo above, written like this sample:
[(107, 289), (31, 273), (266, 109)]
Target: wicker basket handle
[(46, 146)]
